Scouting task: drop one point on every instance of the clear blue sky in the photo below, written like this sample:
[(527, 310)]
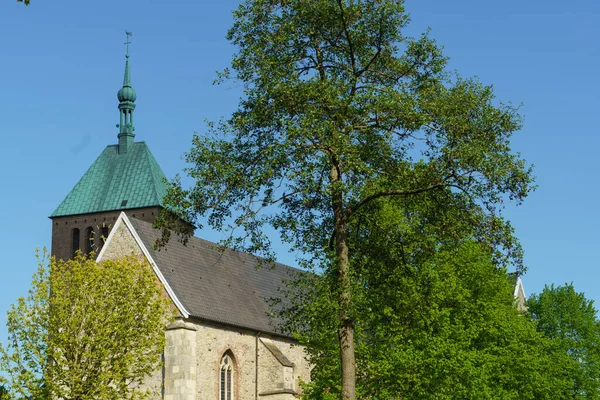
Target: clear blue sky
[(62, 65)]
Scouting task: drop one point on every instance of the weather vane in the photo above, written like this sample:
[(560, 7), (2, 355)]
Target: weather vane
[(127, 43)]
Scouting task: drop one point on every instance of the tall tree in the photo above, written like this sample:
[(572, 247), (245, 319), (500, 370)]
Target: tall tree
[(86, 331), (342, 109), (571, 320), (434, 316)]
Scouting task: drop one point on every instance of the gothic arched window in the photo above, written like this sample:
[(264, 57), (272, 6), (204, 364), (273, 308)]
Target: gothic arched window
[(75, 241), (226, 378), (89, 236)]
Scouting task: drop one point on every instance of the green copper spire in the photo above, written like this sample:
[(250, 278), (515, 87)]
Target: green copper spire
[(126, 98)]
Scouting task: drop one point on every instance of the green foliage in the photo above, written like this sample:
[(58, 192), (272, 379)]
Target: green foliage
[(25, 356), (336, 85), (571, 321), (4, 393), (434, 316), (24, 1), (85, 331), (341, 110)]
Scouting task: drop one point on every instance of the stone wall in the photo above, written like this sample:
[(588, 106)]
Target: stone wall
[(271, 381), (180, 362), (123, 244)]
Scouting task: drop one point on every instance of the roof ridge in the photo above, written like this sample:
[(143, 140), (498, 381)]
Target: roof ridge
[(154, 171), (79, 182)]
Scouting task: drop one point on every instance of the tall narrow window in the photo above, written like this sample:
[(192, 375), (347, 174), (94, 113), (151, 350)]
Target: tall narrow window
[(104, 234), (226, 384), (89, 236), (75, 241)]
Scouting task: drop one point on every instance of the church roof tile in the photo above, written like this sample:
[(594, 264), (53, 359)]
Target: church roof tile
[(117, 181), (227, 286)]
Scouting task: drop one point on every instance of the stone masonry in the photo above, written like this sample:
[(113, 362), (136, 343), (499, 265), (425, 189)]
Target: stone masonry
[(180, 361), (258, 374), (266, 367)]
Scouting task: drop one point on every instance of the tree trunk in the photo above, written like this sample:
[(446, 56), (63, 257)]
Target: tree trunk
[(346, 327)]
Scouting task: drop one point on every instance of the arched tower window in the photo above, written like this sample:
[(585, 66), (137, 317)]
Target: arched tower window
[(104, 234), (89, 236), (226, 378), (75, 241)]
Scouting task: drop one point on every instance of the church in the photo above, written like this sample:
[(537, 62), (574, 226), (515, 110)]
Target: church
[(223, 344)]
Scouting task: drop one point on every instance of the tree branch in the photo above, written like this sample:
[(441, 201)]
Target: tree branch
[(388, 193), (347, 34), (377, 53)]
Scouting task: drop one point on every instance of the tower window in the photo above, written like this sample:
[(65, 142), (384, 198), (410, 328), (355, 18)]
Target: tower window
[(89, 235), (75, 241), (225, 379), (104, 234)]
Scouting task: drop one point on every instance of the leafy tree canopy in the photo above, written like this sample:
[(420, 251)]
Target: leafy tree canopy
[(571, 320), (341, 110), (434, 317), (85, 331)]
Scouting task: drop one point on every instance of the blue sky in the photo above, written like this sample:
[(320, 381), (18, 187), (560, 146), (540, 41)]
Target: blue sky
[(62, 65)]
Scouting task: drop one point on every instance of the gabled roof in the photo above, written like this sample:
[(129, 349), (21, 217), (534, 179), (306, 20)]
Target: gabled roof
[(117, 182), (519, 291), (226, 287)]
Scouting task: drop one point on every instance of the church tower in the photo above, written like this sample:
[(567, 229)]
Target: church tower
[(125, 177)]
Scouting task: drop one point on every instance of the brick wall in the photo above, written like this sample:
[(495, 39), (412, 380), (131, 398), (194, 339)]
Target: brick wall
[(62, 229)]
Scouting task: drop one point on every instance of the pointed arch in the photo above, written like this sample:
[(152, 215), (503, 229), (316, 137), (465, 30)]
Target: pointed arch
[(227, 377)]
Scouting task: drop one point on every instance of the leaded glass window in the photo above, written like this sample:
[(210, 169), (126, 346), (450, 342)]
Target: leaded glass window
[(226, 377)]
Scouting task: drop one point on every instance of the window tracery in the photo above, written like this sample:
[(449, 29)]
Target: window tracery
[(226, 378)]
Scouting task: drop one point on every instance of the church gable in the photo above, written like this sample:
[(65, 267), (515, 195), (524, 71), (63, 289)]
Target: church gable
[(519, 295), (124, 241), (120, 243)]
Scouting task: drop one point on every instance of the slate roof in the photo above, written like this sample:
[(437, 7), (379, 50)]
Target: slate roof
[(134, 176), (225, 287)]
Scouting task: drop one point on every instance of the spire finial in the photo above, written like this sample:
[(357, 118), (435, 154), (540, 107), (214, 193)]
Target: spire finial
[(126, 98), (127, 43)]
